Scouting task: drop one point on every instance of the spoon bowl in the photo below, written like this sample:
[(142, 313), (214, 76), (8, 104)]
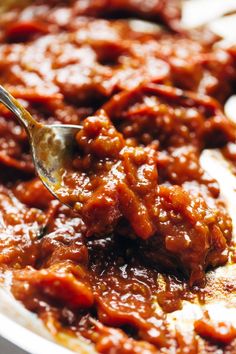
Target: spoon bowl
[(51, 145)]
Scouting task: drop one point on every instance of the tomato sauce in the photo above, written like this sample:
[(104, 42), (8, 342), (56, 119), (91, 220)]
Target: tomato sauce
[(148, 224)]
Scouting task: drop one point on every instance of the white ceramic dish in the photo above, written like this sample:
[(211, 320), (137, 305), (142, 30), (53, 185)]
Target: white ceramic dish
[(22, 332)]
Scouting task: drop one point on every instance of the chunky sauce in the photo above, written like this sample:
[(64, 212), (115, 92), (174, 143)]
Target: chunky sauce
[(149, 223)]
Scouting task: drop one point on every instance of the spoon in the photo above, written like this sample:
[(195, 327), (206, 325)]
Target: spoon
[(51, 145)]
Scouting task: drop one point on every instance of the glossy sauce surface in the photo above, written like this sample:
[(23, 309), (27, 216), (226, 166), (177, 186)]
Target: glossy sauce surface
[(150, 223)]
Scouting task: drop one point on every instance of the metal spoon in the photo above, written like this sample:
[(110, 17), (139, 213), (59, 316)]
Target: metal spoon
[(51, 145)]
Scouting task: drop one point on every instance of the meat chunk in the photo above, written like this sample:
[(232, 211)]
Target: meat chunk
[(190, 236), (20, 229), (111, 179), (61, 283), (114, 181)]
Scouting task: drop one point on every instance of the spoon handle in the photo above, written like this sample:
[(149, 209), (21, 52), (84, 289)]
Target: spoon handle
[(18, 110)]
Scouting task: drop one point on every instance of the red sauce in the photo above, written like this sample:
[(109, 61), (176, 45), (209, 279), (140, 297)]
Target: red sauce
[(220, 331), (148, 223)]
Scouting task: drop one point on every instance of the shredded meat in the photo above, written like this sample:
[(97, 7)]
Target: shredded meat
[(148, 226)]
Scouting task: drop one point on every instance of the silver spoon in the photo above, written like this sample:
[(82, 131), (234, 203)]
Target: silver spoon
[(51, 145)]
